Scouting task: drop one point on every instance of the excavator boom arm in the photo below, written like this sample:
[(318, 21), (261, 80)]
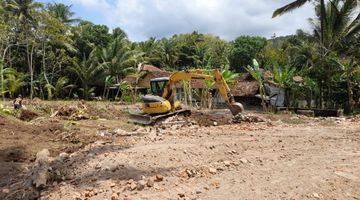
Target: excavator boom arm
[(221, 85)]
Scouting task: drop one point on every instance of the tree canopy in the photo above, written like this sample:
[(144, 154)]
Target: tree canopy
[(47, 52)]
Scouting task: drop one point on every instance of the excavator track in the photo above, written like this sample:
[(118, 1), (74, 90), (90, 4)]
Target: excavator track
[(145, 119)]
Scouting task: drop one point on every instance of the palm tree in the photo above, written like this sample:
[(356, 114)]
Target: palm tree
[(63, 13), (118, 59), (24, 10), (299, 3), (86, 71), (340, 25), (118, 32), (151, 50), (169, 53)]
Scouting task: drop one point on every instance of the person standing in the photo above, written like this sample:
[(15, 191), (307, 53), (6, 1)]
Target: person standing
[(17, 103)]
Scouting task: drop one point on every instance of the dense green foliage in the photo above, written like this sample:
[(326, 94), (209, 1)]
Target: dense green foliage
[(244, 49), (45, 52)]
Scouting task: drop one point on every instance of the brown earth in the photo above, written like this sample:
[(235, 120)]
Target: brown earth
[(285, 157)]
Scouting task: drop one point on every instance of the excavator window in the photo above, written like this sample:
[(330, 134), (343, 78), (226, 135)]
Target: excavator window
[(158, 85)]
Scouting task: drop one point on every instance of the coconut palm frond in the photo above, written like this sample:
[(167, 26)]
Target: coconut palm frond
[(288, 8)]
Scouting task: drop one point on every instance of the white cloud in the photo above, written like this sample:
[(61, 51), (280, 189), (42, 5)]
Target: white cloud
[(142, 19)]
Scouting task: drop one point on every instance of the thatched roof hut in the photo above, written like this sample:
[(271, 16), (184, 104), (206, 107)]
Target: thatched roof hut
[(245, 86)]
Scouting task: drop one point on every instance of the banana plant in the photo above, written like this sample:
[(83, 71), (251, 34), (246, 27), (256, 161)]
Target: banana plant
[(61, 85), (255, 72), (229, 76), (284, 75), (348, 70)]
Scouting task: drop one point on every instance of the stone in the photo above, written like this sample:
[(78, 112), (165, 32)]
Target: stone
[(191, 173), (127, 198), (41, 170), (5, 190), (212, 170), (159, 178), (63, 156), (215, 123), (316, 195), (244, 160), (227, 163), (216, 184), (87, 193), (150, 182), (42, 157), (182, 195), (141, 184), (109, 165), (115, 196), (133, 186)]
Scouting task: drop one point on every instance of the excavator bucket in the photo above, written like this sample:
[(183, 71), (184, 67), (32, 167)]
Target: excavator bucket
[(236, 108)]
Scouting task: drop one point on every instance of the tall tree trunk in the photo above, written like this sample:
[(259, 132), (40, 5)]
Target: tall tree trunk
[(262, 95), (2, 80), (322, 21), (44, 71), (350, 106), (2, 72), (31, 70), (118, 91), (104, 92)]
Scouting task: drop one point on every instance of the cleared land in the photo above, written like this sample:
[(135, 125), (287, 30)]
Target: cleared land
[(285, 157)]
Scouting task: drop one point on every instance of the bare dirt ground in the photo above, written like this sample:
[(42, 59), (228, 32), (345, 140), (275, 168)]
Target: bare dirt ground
[(285, 157)]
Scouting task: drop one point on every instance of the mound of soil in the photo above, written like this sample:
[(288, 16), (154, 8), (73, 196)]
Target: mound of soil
[(27, 115), (212, 117)]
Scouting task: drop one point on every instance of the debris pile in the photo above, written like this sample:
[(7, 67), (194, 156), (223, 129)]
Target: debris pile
[(176, 122), (239, 118), (73, 112)]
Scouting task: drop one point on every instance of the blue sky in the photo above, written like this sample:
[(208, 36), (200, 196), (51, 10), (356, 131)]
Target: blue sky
[(228, 19), (81, 11)]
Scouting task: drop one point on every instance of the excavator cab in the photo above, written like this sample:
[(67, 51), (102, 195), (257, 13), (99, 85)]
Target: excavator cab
[(154, 103), (158, 85)]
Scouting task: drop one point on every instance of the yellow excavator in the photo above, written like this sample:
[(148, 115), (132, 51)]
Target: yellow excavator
[(162, 104)]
